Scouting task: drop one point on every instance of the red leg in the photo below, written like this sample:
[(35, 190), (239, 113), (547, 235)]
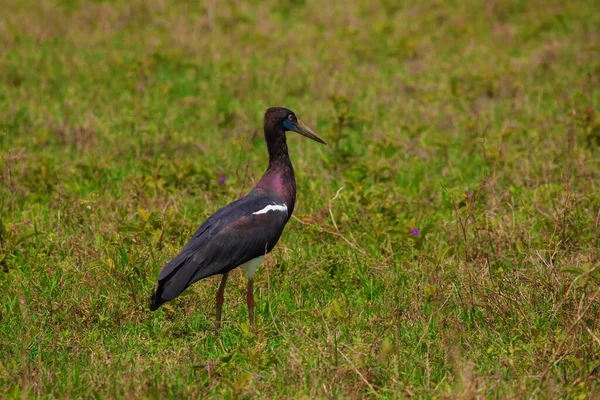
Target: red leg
[(250, 301), (221, 300)]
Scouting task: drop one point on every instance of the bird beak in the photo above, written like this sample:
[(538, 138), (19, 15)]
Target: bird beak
[(304, 130)]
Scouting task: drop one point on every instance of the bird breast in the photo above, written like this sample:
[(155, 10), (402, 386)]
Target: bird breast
[(251, 266)]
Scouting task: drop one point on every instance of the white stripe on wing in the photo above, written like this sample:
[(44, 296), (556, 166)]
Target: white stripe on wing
[(272, 207)]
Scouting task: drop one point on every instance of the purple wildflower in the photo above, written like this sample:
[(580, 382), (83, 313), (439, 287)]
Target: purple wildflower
[(209, 366), (139, 87), (222, 178), (415, 232), (469, 195)]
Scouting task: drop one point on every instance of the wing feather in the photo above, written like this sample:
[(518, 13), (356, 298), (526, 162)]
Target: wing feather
[(232, 236)]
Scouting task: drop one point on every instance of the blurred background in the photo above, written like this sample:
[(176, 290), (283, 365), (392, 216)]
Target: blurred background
[(458, 259)]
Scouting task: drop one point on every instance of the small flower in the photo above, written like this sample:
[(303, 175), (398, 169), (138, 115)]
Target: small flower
[(415, 232), (469, 195), (209, 366), (222, 178), (139, 87)]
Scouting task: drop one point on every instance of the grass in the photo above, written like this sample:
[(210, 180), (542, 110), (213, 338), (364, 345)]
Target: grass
[(476, 123)]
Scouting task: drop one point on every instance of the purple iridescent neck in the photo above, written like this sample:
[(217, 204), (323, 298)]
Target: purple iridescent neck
[(279, 176)]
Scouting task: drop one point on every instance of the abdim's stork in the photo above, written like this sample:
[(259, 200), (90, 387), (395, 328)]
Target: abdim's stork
[(241, 233)]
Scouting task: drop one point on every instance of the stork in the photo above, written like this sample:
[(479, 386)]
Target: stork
[(241, 233)]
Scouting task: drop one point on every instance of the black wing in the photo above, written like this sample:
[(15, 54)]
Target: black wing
[(229, 238)]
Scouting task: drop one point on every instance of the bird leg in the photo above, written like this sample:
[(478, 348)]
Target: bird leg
[(250, 301), (220, 300)]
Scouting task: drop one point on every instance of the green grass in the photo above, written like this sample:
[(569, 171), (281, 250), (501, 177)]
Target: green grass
[(116, 118)]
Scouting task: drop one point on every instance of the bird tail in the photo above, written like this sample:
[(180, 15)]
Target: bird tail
[(175, 277), (157, 299)]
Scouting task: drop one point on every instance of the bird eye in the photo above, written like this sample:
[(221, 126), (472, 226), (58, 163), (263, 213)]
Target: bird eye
[(291, 117)]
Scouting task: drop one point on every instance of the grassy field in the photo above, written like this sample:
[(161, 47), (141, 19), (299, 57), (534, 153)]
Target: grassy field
[(123, 125)]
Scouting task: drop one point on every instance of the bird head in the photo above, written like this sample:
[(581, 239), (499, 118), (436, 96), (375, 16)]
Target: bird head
[(282, 118)]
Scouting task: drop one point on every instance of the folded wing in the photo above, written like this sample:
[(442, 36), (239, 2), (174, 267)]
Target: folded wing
[(243, 230)]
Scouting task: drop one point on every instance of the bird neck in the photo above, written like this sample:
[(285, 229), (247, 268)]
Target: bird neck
[(279, 176), (277, 146)]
